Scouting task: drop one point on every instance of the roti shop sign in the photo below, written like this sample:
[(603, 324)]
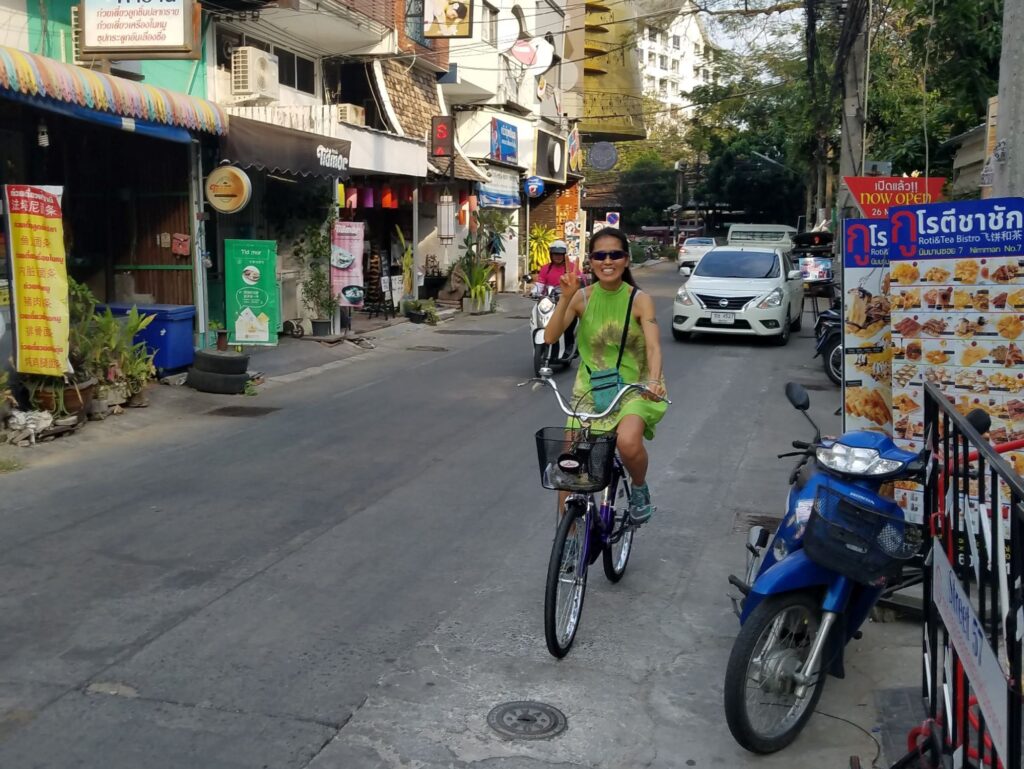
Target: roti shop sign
[(875, 195)]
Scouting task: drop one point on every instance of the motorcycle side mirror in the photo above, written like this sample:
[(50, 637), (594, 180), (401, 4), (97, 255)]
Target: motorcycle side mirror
[(980, 420), (798, 396)]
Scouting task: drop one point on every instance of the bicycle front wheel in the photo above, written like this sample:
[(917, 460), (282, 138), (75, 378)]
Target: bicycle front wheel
[(566, 583)]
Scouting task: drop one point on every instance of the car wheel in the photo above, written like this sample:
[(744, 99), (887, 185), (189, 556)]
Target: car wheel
[(783, 339), (680, 336), (799, 322)]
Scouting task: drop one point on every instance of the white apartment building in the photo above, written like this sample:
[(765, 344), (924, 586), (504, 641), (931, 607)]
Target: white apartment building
[(675, 57)]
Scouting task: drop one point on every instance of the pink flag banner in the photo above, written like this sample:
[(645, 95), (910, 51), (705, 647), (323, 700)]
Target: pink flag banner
[(347, 263)]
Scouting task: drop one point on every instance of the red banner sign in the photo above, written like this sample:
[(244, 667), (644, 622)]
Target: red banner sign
[(875, 195)]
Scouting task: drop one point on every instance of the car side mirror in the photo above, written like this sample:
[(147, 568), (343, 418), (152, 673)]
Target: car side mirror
[(798, 396), (794, 275), (685, 271)]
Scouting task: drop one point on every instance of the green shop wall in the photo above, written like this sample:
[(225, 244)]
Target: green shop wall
[(49, 34)]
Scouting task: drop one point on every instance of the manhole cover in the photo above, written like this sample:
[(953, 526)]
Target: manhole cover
[(527, 721), (427, 348), (468, 332), (744, 521), (241, 411)]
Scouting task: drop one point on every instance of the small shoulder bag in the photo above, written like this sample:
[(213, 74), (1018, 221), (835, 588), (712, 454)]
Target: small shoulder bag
[(606, 383)]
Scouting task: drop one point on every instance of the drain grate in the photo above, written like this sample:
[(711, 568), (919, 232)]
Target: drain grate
[(241, 411), (468, 332), (427, 348), (744, 521), (527, 721)]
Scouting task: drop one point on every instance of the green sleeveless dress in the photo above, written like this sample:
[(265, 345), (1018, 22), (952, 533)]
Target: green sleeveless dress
[(598, 336)]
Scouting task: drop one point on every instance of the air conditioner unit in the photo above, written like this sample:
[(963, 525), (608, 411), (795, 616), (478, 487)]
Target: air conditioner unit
[(351, 113), (253, 76)]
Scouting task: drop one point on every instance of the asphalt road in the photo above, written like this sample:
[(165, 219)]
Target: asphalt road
[(355, 578)]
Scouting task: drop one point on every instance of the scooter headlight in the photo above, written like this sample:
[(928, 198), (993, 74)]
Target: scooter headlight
[(684, 298), (846, 459), (545, 305)]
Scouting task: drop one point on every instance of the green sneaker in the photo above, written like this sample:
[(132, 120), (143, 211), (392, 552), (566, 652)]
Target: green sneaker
[(640, 510)]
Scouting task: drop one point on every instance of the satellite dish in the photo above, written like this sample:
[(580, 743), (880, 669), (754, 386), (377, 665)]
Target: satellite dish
[(603, 156)]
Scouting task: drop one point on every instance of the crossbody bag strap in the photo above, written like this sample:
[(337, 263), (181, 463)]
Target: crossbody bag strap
[(625, 327)]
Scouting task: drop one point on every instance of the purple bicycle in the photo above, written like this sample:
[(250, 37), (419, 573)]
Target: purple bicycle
[(578, 462)]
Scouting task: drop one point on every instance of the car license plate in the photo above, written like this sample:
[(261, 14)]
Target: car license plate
[(723, 318)]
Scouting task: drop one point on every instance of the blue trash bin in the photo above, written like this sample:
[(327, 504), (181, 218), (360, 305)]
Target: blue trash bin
[(170, 335)]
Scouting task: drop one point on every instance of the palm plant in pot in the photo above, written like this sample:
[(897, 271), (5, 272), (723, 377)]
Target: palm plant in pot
[(313, 254), (480, 259)]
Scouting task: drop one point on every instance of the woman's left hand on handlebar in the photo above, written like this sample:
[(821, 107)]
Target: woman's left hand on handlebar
[(655, 390)]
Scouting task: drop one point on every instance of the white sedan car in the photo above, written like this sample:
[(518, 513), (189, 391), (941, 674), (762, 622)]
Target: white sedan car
[(740, 290), (693, 249)]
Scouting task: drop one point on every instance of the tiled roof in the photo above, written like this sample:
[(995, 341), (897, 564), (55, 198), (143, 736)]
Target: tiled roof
[(413, 95)]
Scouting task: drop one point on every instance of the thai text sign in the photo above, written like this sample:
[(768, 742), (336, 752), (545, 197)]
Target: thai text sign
[(347, 263), (875, 195), (139, 25), (966, 228), (867, 344), (504, 141), (39, 279), (250, 285), (985, 675)]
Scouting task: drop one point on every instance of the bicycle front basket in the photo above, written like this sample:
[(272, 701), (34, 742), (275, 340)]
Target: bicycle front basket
[(574, 460)]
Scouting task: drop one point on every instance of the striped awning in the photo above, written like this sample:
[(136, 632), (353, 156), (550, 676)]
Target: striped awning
[(37, 76)]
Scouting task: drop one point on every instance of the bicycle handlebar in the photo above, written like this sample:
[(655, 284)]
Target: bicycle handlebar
[(583, 416)]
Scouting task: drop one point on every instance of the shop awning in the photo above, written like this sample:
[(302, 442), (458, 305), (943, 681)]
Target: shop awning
[(41, 81), (274, 148)]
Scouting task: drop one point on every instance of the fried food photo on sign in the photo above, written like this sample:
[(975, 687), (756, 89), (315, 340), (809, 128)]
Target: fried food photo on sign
[(904, 273), (966, 271), (867, 404), (1010, 326), (936, 275), (867, 314)]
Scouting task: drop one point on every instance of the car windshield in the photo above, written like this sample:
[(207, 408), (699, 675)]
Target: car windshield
[(699, 242), (738, 264)]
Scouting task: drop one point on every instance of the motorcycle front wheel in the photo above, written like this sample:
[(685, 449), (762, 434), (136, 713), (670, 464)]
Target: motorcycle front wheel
[(832, 357), (540, 356), (761, 707)]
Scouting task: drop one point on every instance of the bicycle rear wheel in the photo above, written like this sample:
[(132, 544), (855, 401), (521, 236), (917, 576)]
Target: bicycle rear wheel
[(566, 583)]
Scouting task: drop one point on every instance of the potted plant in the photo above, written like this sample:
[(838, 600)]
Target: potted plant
[(7, 401), (408, 267), (541, 238), (313, 253), (422, 311)]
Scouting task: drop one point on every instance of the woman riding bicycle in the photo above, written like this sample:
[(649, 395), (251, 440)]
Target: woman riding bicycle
[(605, 311)]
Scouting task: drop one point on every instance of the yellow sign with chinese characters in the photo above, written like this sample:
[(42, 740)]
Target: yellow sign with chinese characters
[(39, 279)]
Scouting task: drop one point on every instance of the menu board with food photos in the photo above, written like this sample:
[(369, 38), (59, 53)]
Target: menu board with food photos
[(867, 336), (957, 289)]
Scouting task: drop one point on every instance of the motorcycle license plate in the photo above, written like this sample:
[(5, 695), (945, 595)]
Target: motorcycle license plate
[(723, 318)]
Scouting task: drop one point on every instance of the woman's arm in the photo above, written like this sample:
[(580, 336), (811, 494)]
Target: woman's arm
[(566, 310), (644, 312)]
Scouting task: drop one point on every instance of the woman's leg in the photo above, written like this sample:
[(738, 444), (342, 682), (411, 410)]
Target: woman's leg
[(630, 442)]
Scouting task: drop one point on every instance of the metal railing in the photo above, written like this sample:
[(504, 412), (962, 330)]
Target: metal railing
[(971, 673)]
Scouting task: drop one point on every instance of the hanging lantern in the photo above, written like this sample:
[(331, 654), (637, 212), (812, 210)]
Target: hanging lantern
[(351, 197), (387, 197), (446, 218), (367, 197)]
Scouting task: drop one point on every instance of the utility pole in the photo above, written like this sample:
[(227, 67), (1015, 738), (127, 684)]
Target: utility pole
[(1008, 158), (851, 146)]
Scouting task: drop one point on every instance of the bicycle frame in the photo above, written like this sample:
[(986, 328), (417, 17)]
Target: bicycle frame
[(602, 524)]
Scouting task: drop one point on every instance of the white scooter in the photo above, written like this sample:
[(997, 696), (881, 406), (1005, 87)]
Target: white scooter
[(547, 355)]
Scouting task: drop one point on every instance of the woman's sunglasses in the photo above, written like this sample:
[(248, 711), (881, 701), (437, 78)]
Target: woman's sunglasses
[(600, 256)]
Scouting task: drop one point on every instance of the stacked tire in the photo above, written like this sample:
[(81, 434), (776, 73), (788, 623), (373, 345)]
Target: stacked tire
[(222, 372)]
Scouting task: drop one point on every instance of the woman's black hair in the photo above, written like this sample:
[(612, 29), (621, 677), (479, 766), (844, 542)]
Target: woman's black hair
[(461, 10), (620, 236)]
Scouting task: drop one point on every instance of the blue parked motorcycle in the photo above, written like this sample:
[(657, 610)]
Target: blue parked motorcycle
[(806, 594)]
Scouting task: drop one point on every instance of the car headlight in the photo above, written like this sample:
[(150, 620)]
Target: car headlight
[(545, 305), (683, 296), (774, 299), (846, 459)]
